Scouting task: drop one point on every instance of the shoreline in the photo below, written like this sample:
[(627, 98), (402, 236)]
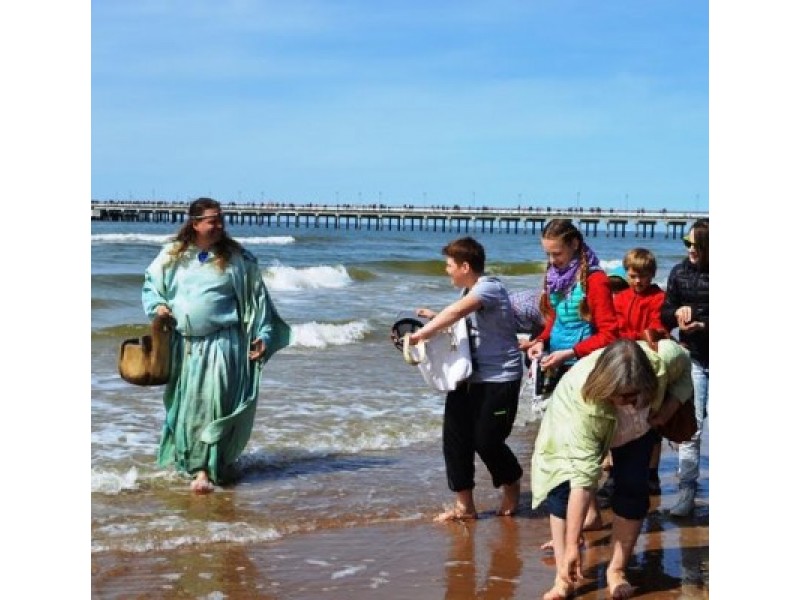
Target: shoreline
[(491, 558)]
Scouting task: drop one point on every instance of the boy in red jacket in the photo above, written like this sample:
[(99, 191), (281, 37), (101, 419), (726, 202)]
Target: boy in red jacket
[(638, 307)]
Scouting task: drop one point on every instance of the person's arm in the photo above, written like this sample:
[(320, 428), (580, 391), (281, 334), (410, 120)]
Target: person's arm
[(154, 294), (571, 570), (604, 317), (448, 315), (672, 300)]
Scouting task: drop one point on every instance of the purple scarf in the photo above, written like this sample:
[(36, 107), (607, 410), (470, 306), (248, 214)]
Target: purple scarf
[(560, 281)]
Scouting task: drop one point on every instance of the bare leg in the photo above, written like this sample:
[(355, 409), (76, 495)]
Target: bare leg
[(464, 508), (592, 522), (201, 484), (560, 589), (508, 507), (624, 533)]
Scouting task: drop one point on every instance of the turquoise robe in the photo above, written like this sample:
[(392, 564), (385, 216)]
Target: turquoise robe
[(211, 396)]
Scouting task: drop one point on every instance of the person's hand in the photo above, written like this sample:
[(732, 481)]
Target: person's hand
[(524, 345), (426, 313), (415, 338), (556, 359), (257, 349), (535, 349), (162, 310), (683, 316), (571, 569)]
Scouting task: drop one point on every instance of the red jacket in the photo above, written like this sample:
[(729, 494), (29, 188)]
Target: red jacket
[(637, 312), (604, 318)]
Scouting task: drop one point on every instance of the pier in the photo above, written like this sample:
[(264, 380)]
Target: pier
[(521, 220)]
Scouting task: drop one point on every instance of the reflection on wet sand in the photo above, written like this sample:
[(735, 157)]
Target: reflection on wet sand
[(505, 565)]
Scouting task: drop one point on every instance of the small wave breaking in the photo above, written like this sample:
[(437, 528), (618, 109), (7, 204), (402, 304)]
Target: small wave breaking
[(281, 278), (154, 239), (322, 335)]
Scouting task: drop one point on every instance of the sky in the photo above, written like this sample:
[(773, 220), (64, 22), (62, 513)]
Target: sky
[(501, 103)]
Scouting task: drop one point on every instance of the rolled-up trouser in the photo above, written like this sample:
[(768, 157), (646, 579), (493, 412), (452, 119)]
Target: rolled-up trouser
[(478, 417), (689, 452)]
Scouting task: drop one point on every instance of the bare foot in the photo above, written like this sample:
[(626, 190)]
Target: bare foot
[(559, 591), (456, 514), (508, 507), (618, 586), (201, 484)]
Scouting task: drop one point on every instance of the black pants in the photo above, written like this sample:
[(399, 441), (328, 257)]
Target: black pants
[(478, 417)]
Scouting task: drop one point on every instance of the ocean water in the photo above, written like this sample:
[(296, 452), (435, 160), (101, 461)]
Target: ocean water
[(346, 433)]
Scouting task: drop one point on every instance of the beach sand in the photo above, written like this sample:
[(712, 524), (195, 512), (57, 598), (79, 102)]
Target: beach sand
[(490, 558)]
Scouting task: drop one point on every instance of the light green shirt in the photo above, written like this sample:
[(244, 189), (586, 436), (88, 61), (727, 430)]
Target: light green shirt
[(575, 434)]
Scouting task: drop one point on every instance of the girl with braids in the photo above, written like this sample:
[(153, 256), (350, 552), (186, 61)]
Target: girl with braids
[(226, 329), (577, 302), (578, 307)]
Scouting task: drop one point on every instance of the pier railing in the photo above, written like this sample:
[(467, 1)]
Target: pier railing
[(591, 221)]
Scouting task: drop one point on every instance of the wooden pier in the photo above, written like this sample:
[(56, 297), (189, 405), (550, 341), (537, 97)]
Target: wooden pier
[(521, 220)]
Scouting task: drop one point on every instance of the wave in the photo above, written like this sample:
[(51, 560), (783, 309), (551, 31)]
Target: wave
[(322, 335), (117, 280), (607, 265), (106, 482), (122, 331), (281, 278), (306, 335), (152, 239), (436, 267)]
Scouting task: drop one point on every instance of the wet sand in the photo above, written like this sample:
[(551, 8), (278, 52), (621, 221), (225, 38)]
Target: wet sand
[(490, 558)]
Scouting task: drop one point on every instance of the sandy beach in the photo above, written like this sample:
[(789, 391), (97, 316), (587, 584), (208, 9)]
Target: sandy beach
[(490, 558)]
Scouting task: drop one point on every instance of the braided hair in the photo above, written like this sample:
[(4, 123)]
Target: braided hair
[(565, 231)]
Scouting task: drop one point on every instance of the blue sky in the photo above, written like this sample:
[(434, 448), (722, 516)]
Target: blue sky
[(493, 103)]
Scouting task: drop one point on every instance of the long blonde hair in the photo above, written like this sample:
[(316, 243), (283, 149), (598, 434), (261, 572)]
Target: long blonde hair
[(621, 367)]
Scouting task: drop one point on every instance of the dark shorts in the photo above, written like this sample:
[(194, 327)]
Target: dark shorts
[(631, 497)]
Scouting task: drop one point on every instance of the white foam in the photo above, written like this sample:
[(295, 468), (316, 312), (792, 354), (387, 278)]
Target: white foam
[(107, 482), (290, 279), (147, 238), (131, 238), (348, 571), (275, 240), (607, 265), (322, 335), (187, 534)]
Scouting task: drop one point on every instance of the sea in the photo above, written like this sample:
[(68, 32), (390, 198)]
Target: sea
[(346, 433)]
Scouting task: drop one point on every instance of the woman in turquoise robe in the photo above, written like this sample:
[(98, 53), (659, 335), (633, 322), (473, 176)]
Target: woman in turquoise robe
[(226, 329)]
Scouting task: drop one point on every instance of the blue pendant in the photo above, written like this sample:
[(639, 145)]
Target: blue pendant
[(202, 256)]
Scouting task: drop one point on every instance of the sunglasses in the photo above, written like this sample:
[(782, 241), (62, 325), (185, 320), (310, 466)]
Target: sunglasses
[(689, 244)]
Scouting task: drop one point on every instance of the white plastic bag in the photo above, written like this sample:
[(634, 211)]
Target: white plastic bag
[(445, 359), (527, 393)]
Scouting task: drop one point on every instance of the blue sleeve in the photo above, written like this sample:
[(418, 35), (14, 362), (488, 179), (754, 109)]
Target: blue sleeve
[(154, 290)]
